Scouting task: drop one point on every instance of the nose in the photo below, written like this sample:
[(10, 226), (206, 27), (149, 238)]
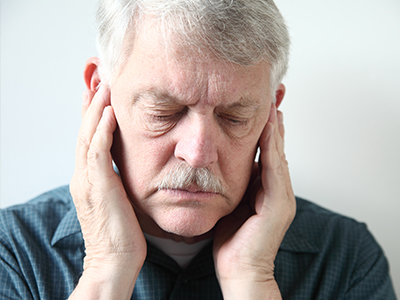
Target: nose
[(197, 142)]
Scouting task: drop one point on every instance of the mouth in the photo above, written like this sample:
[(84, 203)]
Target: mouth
[(189, 193), (194, 189), (191, 188)]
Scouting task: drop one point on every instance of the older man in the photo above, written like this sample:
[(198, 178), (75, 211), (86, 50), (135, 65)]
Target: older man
[(181, 98)]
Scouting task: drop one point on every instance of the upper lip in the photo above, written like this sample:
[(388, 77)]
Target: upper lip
[(192, 189)]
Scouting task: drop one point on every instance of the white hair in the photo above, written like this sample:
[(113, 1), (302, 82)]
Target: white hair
[(183, 176), (244, 32)]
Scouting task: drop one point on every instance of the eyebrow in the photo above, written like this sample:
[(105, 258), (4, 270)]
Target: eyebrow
[(165, 98), (244, 103), (159, 97)]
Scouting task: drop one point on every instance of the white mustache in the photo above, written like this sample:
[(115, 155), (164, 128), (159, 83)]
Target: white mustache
[(183, 176)]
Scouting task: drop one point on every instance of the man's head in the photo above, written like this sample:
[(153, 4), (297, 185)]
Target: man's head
[(239, 31), (191, 89)]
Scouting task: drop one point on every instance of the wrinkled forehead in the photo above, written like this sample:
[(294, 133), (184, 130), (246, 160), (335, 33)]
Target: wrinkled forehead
[(184, 45), (161, 62)]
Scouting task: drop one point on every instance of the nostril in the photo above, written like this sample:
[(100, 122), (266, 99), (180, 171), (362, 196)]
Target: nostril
[(198, 151), (196, 140)]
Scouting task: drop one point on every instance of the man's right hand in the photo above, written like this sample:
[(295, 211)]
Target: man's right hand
[(114, 242)]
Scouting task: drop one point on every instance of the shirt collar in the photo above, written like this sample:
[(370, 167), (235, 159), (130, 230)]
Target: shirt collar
[(68, 227), (202, 265), (295, 239)]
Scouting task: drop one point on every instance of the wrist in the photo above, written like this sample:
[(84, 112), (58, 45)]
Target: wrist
[(107, 279), (250, 289), (98, 286)]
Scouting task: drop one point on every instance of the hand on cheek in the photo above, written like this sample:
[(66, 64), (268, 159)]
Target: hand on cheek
[(246, 243), (112, 235)]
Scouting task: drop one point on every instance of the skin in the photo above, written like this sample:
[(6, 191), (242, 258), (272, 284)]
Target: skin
[(205, 123), (161, 111)]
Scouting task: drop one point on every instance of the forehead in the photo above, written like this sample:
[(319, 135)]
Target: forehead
[(155, 67)]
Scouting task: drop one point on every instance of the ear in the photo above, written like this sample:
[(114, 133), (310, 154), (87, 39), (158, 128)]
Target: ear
[(280, 94), (91, 74)]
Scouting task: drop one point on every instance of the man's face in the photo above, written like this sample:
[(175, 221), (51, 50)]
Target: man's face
[(200, 113)]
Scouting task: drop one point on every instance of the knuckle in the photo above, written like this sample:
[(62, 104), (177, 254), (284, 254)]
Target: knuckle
[(93, 155), (275, 163), (82, 141)]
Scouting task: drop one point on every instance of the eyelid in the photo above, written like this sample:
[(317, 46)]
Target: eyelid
[(158, 124), (162, 107), (163, 113), (166, 115), (237, 114), (234, 121), (235, 130)]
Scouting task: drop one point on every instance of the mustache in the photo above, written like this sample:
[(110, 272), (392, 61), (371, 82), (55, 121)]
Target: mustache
[(182, 176)]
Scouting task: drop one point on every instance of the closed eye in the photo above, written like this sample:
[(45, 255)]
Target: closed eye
[(162, 118), (234, 126), (166, 115), (159, 122), (234, 121)]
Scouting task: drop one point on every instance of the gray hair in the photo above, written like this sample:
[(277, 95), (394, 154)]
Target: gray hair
[(183, 176), (244, 32)]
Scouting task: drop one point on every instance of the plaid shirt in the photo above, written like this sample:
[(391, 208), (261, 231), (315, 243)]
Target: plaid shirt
[(323, 256)]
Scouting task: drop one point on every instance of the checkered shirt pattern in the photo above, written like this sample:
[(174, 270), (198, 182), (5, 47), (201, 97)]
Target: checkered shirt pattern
[(323, 256)]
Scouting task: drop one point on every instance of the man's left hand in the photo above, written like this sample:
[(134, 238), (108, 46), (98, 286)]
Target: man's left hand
[(247, 241)]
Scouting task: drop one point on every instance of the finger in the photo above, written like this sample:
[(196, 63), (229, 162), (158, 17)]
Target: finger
[(281, 126), (87, 97), (275, 175), (270, 141), (263, 139), (94, 112), (89, 124), (278, 132), (99, 155), (270, 160), (280, 142)]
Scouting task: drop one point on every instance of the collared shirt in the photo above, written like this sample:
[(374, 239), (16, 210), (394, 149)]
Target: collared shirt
[(323, 256)]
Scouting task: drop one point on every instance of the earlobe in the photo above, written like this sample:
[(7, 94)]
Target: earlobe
[(280, 94), (91, 74)]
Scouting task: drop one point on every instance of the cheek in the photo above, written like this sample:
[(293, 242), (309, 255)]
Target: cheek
[(139, 158), (236, 165)]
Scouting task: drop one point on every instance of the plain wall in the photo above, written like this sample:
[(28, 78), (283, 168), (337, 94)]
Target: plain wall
[(342, 108)]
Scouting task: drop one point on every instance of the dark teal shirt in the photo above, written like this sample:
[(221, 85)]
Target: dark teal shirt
[(323, 256)]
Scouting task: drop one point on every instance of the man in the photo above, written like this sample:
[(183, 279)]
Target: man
[(183, 95)]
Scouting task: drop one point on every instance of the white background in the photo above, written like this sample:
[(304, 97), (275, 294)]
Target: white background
[(342, 109)]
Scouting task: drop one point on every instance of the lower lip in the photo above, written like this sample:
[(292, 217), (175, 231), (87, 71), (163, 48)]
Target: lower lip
[(187, 195)]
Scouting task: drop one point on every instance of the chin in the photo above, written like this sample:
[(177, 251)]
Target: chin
[(187, 222)]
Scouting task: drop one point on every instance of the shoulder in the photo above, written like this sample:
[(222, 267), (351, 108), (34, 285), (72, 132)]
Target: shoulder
[(319, 230), (40, 215), (337, 254), (331, 232), (320, 224), (59, 197), (41, 247)]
